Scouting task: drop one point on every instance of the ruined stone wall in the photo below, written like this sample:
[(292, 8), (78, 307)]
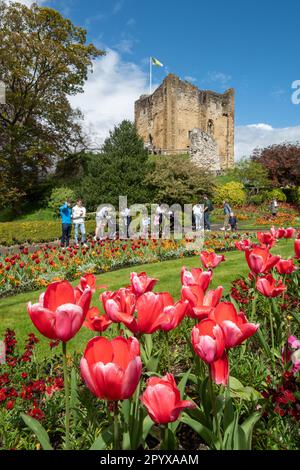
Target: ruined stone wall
[(176, 107)]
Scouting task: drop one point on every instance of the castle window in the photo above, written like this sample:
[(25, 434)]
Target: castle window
[(210, 127)]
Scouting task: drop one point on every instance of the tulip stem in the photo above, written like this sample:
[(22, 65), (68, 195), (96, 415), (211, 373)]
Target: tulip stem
[(67, 394), (272, 334), (116, 426), (168, 358), (214, 407)]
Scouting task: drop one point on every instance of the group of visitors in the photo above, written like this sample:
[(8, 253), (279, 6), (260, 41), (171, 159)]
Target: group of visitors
[(75, 216), (163, 219), (204, 210)]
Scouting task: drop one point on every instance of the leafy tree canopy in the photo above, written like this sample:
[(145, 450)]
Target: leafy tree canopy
[(282, 161), (175, 179), (119, 170), (44, 59)]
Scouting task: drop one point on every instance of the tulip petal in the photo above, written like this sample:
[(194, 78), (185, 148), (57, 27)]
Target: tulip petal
[(58, 293), (131, 377), (68, 320), (43, 319), (220, 370)]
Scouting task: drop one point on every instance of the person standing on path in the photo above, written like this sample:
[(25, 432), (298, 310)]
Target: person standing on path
[(78, 216), (274, 207), (198, 213), (208, 207), (227, 210), (66, 220)]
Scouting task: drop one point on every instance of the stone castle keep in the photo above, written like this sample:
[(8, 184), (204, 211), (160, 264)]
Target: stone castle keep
[(180, 118)]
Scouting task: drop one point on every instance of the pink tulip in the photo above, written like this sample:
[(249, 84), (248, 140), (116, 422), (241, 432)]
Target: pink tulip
[(211, 260), (162, 400), (243, 245), (278, 233), (119, 303), (196, 277), (208, 341), (260, 260), (235, 326), (58, 315), (96, 321), (112, 369), (289, 232), (297, 248), (268, 287), (220, 370), (173, 315), (266, 239), (285, 266), (201, 304), (141, 283)]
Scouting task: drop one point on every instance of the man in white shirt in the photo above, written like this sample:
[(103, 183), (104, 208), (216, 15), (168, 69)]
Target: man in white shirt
[(198, 213), (78, 217)]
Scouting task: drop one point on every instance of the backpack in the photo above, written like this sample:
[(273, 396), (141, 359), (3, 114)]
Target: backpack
[(210, 206)]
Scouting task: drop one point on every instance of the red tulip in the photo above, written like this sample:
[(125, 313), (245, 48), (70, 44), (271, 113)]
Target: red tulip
[(196, 277), (96, 321), (235, 326), (173, 315), (268, 287), (220, 370), (243, 244), (208, 341), (289, 232), (141, 283), (210, 259), (266, 239), (162, 399), (58, 315), (119, 303), (260, 260), (112, 369), (297, 248), (88, 280), (277, 233), (150, 313), (200, 303), (285, 266)]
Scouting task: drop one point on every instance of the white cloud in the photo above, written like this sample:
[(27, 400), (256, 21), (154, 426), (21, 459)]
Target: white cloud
[(109, 93), (118, 6), (188, 78), (26, 2), (249, 137)]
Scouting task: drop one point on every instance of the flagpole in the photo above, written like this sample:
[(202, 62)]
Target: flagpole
[(150, 85)]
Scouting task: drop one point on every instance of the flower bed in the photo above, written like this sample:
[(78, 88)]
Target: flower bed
[(202, 371), (24, 271)]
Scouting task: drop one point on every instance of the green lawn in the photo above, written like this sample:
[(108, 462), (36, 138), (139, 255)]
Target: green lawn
[(13, 312)]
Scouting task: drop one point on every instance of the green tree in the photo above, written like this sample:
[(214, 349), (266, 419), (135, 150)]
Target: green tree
[(175, 179), (44, 59), (119, 170), (253, 175), (58, 197)]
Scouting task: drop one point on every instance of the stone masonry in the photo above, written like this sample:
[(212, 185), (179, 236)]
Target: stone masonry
[(204, 150), (166, 118)]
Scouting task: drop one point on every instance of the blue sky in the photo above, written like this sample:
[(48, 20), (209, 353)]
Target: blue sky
[(250, 46)]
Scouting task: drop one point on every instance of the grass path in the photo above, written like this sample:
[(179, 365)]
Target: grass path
[(13, 313)]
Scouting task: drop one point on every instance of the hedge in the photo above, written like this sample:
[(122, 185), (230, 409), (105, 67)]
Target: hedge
[(16, 233)]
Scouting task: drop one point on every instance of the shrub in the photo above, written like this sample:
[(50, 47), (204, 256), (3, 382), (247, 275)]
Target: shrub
[(58, 197), (232, 192), (176, 179), (16, 233), (277, 194)]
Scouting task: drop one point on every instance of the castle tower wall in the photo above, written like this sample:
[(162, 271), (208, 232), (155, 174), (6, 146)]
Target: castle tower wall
[(166, 118)]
